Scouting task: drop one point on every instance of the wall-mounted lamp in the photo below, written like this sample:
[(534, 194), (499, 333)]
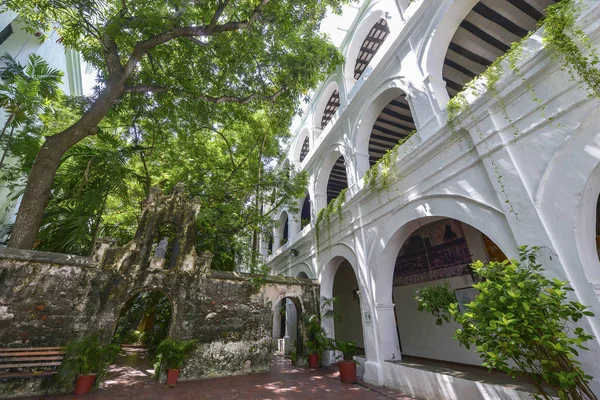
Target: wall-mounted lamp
[(294, 252), (387, 15)]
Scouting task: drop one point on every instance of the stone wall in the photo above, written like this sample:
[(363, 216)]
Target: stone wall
[(47, 299)]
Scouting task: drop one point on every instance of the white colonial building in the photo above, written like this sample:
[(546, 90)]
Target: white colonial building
[(521, 167)]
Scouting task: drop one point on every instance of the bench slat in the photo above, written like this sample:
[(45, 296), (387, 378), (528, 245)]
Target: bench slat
[(13, 359), (26, 374), (46, 364), (32, 353), (29, 348)]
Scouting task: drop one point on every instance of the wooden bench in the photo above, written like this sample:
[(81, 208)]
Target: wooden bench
[(30, 361)]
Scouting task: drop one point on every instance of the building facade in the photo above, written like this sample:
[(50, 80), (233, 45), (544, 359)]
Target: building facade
[(15, 41), (517, 165)]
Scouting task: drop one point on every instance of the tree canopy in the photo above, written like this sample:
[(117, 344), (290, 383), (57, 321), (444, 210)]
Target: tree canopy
[(198, 92)]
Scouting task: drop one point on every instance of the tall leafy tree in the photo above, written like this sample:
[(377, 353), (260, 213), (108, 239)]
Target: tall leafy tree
[(243, 52)]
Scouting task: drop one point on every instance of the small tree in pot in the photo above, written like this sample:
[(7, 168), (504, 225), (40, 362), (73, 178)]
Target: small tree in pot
[(347, 365), (317, 341), (85, 361), (171, 354)]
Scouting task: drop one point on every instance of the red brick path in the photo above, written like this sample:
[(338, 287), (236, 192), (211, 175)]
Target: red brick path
[(283, 382)]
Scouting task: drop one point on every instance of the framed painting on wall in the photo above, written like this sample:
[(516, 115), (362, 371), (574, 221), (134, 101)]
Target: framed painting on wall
[(465, 296)]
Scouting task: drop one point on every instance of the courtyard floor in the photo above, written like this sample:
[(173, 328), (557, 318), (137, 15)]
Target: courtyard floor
[(131, 378)]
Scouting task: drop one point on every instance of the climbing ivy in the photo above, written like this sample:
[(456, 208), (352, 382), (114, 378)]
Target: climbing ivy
[(334, 207), (378, 177), (566, 43)]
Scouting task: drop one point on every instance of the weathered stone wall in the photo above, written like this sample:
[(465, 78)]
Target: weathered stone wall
[(47, 299)]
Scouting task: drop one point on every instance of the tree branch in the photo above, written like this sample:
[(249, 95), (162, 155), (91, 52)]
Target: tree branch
[(190, 31), (218, 13), (228, 99), (145, 89)]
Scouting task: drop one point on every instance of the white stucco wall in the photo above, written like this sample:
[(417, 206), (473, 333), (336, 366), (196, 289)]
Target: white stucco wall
[(539, 187)]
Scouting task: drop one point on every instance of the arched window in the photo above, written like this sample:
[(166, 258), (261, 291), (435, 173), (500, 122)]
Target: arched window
[(305, 213), (370, 46), (305, 148), (394, 123), (338, 180), (330, 108), (485, 34), (165, 245)]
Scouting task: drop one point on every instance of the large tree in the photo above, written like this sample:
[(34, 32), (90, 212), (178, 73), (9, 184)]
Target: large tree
[(245, 52)]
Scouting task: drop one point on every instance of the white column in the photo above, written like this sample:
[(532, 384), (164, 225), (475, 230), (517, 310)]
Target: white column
[(388, 334), (361, 165), (438, 98)]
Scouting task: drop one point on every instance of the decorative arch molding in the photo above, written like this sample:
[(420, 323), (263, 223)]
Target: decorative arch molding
[(322, 176), (400, 224), (391, 89), (571, 181), (377, 11), (441, 30), (337, 254), (298, 148), (322, 99), (302, 268)]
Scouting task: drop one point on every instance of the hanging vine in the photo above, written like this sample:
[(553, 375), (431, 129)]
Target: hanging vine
[(566, 43), (324, 216), (378, 177)]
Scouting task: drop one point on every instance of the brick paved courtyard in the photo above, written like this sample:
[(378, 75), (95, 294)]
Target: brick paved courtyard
[(132, 379)]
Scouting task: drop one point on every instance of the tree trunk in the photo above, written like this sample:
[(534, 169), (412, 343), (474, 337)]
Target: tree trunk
[(47, 161), (10, 136)]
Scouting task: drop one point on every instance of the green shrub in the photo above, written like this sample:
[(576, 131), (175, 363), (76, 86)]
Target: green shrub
[(522, 323), (85, 356), (171, 353)]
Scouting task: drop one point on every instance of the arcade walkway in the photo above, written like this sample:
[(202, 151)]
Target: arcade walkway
[(133, 380)]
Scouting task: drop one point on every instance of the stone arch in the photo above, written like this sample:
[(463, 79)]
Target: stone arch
[(287, 328), (351, 54), (382, 124), (400, 224), (326, 106), (128, 300)]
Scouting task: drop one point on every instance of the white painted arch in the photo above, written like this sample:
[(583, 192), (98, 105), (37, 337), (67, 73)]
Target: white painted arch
[(402, 223)]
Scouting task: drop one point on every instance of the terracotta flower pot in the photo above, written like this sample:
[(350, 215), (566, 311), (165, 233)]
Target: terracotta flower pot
[(84, 383), (313, 360), (172, 376), (347, 371)]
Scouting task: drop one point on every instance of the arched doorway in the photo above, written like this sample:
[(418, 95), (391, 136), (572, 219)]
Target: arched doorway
[(287, 336), (435, 253), (348, 324), (143, 322), (302, 275)]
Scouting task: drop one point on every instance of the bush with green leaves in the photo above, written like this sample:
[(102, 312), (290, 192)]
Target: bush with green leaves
[(172, 353), (317, 340), (85, 356), (348, 349), (523, 323), (435, 300)]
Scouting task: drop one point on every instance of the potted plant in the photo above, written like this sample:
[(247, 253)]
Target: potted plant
[(347, 365), (317, 341), (171, 354), (85, 360)]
